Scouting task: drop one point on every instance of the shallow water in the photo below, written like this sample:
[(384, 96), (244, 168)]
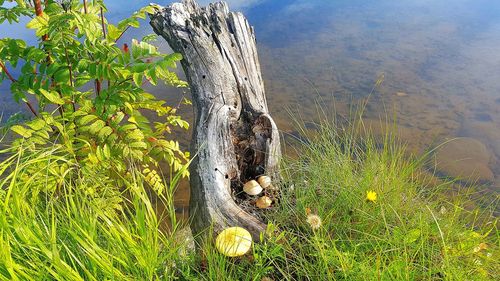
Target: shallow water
[(439, 60), (440, 63)]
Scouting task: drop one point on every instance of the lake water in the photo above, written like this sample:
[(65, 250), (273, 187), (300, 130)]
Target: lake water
[(440, 63)]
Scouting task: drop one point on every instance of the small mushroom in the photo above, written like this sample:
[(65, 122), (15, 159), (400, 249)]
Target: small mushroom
[(252, 187), (271, 187), (263, 202), (233, 241), (264, 181)]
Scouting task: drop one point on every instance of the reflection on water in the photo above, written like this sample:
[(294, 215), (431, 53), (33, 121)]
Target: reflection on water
[(440, 61)]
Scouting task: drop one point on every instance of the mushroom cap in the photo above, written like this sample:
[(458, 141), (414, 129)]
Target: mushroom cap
[(252, 187), (264, 181), (233, 241), (263, 202)]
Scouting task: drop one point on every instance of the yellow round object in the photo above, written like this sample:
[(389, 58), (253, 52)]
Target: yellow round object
[(233, 241)]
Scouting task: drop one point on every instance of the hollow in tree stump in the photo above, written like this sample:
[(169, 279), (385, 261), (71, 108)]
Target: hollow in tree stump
[(234, 137)]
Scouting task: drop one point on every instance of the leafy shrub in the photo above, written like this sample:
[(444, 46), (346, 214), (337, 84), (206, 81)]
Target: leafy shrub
[(85, 92)]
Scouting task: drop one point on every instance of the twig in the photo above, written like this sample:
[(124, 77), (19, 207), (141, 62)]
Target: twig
[(45, 37), (123, 32), (13, 80), (39, 12), (70, 67), (102, 24), (7, 72)]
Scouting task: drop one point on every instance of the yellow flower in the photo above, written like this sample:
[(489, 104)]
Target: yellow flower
[(371, 196), (314, 221)]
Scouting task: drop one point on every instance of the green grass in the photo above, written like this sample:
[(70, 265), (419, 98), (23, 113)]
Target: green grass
[(413, 231), (54, 228), (78, 229)]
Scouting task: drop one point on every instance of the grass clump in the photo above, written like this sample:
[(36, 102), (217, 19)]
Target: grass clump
[(78, 225), (351, 208), (356, 209), (380, 221)]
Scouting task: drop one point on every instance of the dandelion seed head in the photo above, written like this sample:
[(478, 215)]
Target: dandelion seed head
[(314, 221)]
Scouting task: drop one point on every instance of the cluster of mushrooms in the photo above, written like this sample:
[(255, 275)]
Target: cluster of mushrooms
[(237, 241), (255, 187)]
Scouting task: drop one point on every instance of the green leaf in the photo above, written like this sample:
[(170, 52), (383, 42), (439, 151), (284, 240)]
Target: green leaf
[(36, 124), (143, 49), (86, 119), (106, 151), (127, 127), (104, 132), (83, 65), (150, 9), (96, 126), (52, 96), (412, 236), (135, 135), (82, 80), (24, 132), (137, 79), (132, 120), (139, 67), (117, 118), (39, 24), (62, 75), (113, 32), (149, 38), (93, 69), (138, 144), (43, 134)]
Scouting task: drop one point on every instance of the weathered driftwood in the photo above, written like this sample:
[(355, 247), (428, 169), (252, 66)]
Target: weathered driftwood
[(234, 137)]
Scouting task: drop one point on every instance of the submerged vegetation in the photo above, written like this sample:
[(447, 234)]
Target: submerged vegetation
[(82, 196)]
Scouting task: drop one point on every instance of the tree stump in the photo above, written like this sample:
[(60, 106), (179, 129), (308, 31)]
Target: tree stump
[(234, 137)]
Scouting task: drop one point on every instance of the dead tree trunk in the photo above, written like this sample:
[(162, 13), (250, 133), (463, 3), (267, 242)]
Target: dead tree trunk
[(234, 137)]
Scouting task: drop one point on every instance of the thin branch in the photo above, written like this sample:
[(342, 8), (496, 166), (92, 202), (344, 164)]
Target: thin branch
[(45, 37), (31, 108), (123, 32), (7, 72), (13, 80), (70, 67), (103, 28), (39, 12), (97, 87), (38, 7), (85, 6), (102, 23), (121, 82)]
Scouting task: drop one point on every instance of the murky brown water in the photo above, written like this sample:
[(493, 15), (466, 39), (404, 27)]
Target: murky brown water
[(440, 61)]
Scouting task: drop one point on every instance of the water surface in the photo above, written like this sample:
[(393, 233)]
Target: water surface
[(440, 63)]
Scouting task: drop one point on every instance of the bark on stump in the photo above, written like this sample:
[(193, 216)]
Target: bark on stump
[(234, 137)]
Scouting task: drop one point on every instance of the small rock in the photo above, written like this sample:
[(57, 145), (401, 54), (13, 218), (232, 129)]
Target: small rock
[(466, 159)]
